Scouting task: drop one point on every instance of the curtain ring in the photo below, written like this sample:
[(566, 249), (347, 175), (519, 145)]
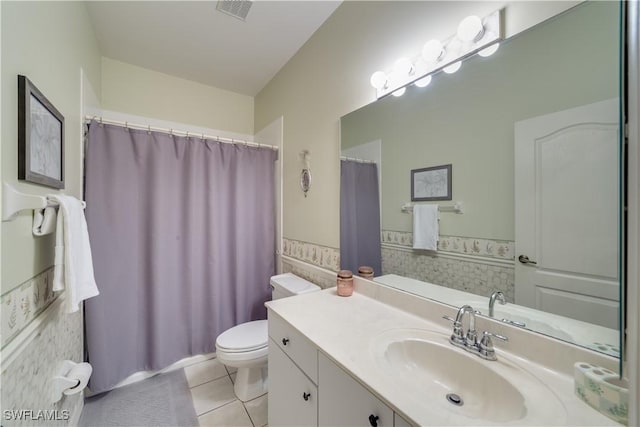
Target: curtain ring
[(203, 136), (149, 129), (101, 124), (187, 134)]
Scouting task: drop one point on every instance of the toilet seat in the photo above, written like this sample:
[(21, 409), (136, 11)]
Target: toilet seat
[(244, 338)]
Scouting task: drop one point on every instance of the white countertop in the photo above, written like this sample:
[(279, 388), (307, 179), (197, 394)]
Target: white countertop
[(347, 330)]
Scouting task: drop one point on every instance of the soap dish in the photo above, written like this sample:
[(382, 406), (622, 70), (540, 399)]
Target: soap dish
[(603, 390)]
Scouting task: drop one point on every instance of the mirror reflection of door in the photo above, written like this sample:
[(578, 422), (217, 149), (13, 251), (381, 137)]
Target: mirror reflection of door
[(566, 194)]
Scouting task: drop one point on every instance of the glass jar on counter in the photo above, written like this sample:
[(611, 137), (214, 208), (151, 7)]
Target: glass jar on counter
[(345, 283)]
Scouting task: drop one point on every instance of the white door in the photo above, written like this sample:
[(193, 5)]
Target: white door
[(566, 205)]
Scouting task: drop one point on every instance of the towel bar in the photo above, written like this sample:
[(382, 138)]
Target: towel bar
[(457, 207), (14, 201)]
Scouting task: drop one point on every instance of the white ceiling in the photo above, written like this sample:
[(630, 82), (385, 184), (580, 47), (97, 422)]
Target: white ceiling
[(194, 41)]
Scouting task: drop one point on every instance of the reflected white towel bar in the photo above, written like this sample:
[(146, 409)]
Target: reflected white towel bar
[(14, 201), (457, 207)]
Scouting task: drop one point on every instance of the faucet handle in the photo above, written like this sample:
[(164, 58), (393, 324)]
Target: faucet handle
[(486, 345), (457, 337)]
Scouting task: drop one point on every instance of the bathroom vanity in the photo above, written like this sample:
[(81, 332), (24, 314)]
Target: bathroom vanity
[(364, 361)]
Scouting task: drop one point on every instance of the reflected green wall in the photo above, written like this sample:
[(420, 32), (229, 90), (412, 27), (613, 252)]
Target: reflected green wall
[(467, 118)]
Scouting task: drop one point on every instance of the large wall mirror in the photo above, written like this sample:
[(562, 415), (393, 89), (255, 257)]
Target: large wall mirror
[(533, 139)]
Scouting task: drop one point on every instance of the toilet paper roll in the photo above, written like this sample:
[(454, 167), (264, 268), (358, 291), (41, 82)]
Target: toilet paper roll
[(80, 374)]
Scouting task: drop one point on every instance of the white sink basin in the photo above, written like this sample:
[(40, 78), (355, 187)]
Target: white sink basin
[(439, 374)]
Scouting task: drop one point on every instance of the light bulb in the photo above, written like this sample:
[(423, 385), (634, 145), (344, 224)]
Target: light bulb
[(433, 51), (403, 67), (378, 80), (453, 67), (399, 92), (489, 50), (470, 29), (423, 81)]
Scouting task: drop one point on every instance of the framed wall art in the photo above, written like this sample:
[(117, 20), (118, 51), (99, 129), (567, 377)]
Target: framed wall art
[(431, 184), (40, 137)]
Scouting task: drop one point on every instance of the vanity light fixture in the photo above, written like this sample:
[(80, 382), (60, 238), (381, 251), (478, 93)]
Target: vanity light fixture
[(473, 35), (423, 82), (403, 67), (379, 80), (470, 29), (450, 69), (399, 92), (433, 51)]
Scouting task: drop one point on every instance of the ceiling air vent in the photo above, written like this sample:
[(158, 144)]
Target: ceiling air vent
[(236, 8)]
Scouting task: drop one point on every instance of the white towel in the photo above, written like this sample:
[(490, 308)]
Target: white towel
[(425, 227), (73, 268), (44, 221)]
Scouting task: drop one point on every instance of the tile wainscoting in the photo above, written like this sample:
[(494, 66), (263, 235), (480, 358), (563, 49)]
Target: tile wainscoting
[(320, 276), (470, 274), (41, 338)]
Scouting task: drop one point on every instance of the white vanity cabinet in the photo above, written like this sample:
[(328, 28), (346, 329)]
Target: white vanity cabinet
[(343, 401), (306, 388), (293, 397), (293, 376)]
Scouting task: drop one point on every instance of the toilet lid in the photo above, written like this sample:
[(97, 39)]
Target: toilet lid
[(244, 337)]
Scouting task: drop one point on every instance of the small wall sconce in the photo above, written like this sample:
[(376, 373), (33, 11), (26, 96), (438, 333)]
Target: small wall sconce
[(474, 35), (305, 175)]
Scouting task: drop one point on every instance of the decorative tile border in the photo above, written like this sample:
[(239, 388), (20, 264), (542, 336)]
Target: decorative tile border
[(322, 256), (24, 303), (500, 249)]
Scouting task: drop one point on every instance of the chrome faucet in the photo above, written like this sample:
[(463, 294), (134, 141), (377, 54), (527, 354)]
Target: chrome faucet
[(469, 341), (458, 338), (492, 300)]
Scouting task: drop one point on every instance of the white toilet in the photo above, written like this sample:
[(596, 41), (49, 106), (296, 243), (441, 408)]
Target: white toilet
[(245, 346)]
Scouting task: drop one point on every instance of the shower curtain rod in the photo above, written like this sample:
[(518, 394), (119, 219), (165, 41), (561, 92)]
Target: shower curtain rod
[(353, 159), (176, 132)]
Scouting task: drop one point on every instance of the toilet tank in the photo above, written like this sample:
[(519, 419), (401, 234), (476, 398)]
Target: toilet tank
[(288, 284)]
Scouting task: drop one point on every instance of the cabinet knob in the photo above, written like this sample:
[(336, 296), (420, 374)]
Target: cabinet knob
[(285, 341), (373, 420), (306, 396)]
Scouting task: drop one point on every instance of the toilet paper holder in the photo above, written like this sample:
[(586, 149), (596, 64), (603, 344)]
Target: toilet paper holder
[(73, 378)]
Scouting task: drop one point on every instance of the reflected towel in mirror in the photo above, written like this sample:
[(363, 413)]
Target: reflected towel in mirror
[(425, 227)]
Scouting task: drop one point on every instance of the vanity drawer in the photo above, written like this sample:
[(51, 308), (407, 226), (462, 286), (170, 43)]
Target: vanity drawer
[(295, 345)]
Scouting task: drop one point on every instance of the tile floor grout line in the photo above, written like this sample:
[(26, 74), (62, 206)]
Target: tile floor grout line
[(207, 382), (221, 406), (248, 414)]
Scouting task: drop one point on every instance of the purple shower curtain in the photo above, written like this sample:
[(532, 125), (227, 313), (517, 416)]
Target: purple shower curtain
[(359, 216), (182, 232)]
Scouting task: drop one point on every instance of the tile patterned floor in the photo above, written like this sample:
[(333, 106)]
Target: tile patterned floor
[(212, 392)]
